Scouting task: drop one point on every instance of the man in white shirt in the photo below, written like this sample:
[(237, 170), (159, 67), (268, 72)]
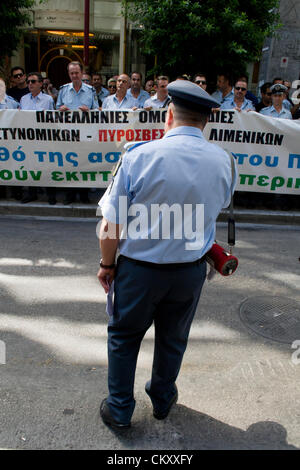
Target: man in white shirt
[(161, 99), (136, 90), (120, 100)]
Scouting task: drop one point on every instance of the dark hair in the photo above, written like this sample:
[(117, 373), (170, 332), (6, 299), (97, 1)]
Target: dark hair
[(96, 73), (75, 62), (163, 77), (17, 68), (138, 73), (277, 78), (243, 77), (265, 86), (39, 76), (199, 74), (227, 76), (194, 115), (240, 80), (184, 76)]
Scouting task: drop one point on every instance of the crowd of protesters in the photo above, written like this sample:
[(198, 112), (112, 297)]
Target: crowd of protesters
[(86, 91)]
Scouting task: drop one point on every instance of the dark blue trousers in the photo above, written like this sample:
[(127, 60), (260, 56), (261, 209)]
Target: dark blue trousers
[(143, 294)]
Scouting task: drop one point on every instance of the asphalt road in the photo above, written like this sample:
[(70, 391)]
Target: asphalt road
[(237, 389)]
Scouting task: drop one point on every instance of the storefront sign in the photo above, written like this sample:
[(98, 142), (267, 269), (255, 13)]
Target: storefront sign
[(59, 20)]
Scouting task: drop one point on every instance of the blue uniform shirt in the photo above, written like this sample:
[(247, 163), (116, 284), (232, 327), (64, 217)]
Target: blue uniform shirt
[(9, 103), (112, 102), (143, 96), (230, 104), (68, 96), (271, 111), (102, 94), (36, 103), (180, 169), (154, 102), (218, 95), (287, 104)]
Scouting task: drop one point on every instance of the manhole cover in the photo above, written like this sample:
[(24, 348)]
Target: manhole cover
[(276, 318)]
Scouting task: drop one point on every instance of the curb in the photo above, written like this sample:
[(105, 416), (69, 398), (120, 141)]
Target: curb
[(76, 210)]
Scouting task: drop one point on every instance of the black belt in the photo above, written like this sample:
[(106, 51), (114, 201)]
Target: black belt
[(169, 266)]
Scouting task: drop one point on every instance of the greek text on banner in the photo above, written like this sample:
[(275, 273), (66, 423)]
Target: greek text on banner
[(80, 149)]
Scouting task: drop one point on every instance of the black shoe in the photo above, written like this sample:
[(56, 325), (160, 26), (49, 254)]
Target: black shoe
[(27, 199), (52, 201), (108, 419), (162, 414)]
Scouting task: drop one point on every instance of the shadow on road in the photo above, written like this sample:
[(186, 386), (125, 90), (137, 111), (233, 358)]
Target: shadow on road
[(187, 429)]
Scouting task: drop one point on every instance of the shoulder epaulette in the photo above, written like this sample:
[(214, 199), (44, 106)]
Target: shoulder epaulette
[(62, 86), (116, 168), (130, 146)]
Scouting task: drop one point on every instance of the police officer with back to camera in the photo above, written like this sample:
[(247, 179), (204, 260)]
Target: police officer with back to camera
[(159, 278)]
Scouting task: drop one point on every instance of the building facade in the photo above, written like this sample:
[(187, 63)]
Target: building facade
[(56, 37), (281, 53)]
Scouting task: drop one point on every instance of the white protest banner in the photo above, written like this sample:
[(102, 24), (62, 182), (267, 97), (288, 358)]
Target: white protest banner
[(267, 150), (73, 148), (78, 149)]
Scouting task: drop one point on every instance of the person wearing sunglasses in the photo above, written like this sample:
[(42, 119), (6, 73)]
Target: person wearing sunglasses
[(101, 92), (20, 88), (36, 100), (86, 78), (200, 80), (266, 99), (239, 101), (277, 109), (112, 86), (249, 95)]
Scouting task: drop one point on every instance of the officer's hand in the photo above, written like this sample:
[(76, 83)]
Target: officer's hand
[(215, 110), (64, 108), (106, 277), (148, 108), (83, 108)]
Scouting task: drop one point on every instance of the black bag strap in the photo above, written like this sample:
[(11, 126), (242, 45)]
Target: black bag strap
[(231, 221), (166, 102)]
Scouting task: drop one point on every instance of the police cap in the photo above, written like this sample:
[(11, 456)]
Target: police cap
[(278, 88), (191, 96)]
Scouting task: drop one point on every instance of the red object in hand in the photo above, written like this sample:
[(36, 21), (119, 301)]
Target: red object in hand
[(221, 260)]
